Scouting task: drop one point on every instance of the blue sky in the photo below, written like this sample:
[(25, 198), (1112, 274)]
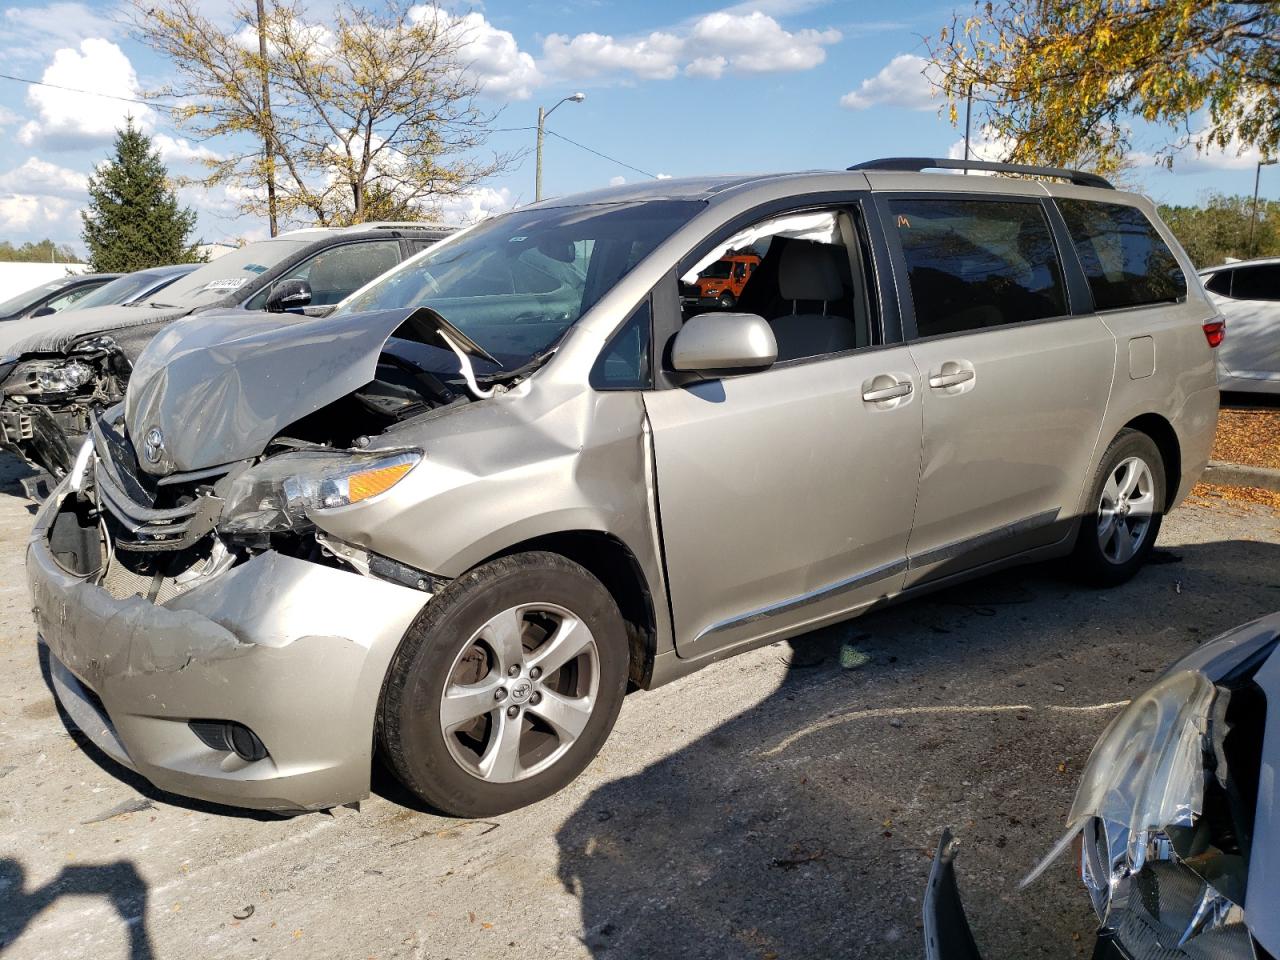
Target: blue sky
[(672, 89)]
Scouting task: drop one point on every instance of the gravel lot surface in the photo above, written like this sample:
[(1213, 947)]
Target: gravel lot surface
[(773, 806)]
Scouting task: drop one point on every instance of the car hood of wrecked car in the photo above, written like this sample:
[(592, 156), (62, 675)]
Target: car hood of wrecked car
[(58, 332), (220, 386)]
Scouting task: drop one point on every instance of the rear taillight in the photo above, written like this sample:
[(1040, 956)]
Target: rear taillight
[(1215, 331)]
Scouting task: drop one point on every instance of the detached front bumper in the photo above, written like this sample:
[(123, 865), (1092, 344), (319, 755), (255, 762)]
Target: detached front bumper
[(294, 651)]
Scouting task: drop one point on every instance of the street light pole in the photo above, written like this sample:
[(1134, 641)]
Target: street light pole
[(968, 113), (1253, 218), (542, 119)]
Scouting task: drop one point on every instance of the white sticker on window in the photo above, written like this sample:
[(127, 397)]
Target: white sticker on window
[(230, 283)]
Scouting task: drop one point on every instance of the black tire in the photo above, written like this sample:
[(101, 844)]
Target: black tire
[(410, 728), (727, 301), (1095, 562)]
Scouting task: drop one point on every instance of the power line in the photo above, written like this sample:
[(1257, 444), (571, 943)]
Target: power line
[(88, 93), (171, 106), (604, 156)]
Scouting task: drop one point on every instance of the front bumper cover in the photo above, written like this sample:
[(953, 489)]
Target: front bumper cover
[(293, 650)]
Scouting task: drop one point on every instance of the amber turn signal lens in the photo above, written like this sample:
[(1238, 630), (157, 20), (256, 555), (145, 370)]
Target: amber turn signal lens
[(370, 483)]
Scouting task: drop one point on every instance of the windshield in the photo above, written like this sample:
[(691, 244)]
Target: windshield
[(514, 285), (34, 295), (120, 290), (229, 272)]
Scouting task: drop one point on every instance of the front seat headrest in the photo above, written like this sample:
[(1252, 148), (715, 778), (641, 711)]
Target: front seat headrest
[(810, 271)]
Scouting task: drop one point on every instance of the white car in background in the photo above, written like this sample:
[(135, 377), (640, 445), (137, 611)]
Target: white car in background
[(1247, 293)]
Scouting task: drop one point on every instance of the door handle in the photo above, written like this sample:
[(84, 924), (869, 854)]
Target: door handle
[(950, 379), (900, 389)]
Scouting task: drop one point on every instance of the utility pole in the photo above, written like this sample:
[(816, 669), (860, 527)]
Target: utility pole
[(268, 126), (542, 119), (1253, 218), (968, 115)]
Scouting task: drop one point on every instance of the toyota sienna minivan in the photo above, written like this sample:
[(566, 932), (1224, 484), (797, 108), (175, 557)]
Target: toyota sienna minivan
[(453, 523)]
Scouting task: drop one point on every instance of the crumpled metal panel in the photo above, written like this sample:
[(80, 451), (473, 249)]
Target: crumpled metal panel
[(57, 333), (220, 386)]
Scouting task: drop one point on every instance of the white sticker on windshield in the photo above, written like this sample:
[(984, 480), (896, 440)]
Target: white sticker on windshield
[(231, 283)]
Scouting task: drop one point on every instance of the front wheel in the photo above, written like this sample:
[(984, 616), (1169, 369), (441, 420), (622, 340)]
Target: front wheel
[(1127, 504), (506, 686)]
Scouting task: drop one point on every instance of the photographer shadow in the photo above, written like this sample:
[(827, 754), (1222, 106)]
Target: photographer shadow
[(805, 826), (118, 883)]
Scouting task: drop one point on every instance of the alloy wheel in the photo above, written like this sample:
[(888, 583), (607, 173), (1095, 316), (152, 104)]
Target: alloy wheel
[(1125, 510), (520, 692)]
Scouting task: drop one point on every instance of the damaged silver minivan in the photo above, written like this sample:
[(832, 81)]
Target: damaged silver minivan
[(455, 521)]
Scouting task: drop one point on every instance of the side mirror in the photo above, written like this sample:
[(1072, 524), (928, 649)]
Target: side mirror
[(724, 343), (44, 312), (289, 295)]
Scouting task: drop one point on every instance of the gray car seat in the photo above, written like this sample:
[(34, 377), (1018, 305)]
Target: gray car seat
[(810, 275)]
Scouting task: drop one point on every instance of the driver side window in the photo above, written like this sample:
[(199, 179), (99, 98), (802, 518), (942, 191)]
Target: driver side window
[(795, 271), (337, 272)]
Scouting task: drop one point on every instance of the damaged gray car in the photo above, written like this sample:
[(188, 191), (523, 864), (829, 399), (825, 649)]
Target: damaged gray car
[(457, 519), (1177, 816)]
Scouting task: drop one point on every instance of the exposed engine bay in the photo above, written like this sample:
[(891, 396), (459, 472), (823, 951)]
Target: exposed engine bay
[(157, 536), (47, 398)]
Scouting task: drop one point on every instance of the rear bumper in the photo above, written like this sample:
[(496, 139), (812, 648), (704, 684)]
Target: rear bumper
[(295, 651)]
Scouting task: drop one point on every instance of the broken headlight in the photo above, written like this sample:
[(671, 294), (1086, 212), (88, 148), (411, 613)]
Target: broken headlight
[(37, 377), (281, 493)]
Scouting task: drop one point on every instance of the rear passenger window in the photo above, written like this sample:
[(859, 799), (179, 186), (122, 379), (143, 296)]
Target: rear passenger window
[(1256, 283), (978, 263), (1124, 258), (1220, 283)]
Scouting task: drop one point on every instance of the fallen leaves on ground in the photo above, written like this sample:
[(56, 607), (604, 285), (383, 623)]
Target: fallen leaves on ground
[(1210, 494), (1249, 436)]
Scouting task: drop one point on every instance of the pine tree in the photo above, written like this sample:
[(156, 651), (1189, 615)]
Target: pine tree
[(134, 221)]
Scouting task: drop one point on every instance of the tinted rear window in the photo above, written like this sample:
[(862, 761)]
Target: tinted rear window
[(1256, 283), (1125, 261), (978, 263)]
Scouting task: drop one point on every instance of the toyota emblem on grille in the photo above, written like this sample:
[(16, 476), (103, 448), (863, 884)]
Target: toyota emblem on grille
[(153, 445)]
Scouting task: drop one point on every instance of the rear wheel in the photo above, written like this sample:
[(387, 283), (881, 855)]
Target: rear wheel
[(1127, 500), (727, 301), (506, 686)]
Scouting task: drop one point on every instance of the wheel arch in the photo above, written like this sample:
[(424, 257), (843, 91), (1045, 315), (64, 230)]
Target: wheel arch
[(612, 562), (1165, 438)]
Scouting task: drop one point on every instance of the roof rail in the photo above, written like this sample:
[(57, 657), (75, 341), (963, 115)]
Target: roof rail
[(918, 164)]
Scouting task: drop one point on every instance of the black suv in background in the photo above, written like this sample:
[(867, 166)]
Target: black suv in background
[(55, 370)]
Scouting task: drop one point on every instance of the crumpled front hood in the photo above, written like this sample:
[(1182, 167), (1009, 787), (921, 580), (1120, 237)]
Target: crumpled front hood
[(59, 331), (220, 386)]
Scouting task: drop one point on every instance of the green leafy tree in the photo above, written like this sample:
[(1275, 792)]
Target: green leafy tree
[(134, 220), (45, 251), (1218, 229), (1061, 80)]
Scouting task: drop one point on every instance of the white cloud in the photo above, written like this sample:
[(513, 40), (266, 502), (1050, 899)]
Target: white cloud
[(726, 41), (757, 43), (70, 120), (7, 117), (711, 68), (177, 150), (34, 33), (617, 181), (654, 57), (47, 216), (903, 83), (987, 145), (41, 177), (494, 56), (475, 204)]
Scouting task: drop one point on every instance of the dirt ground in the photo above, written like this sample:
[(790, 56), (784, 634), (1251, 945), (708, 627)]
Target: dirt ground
[(773, 806)]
